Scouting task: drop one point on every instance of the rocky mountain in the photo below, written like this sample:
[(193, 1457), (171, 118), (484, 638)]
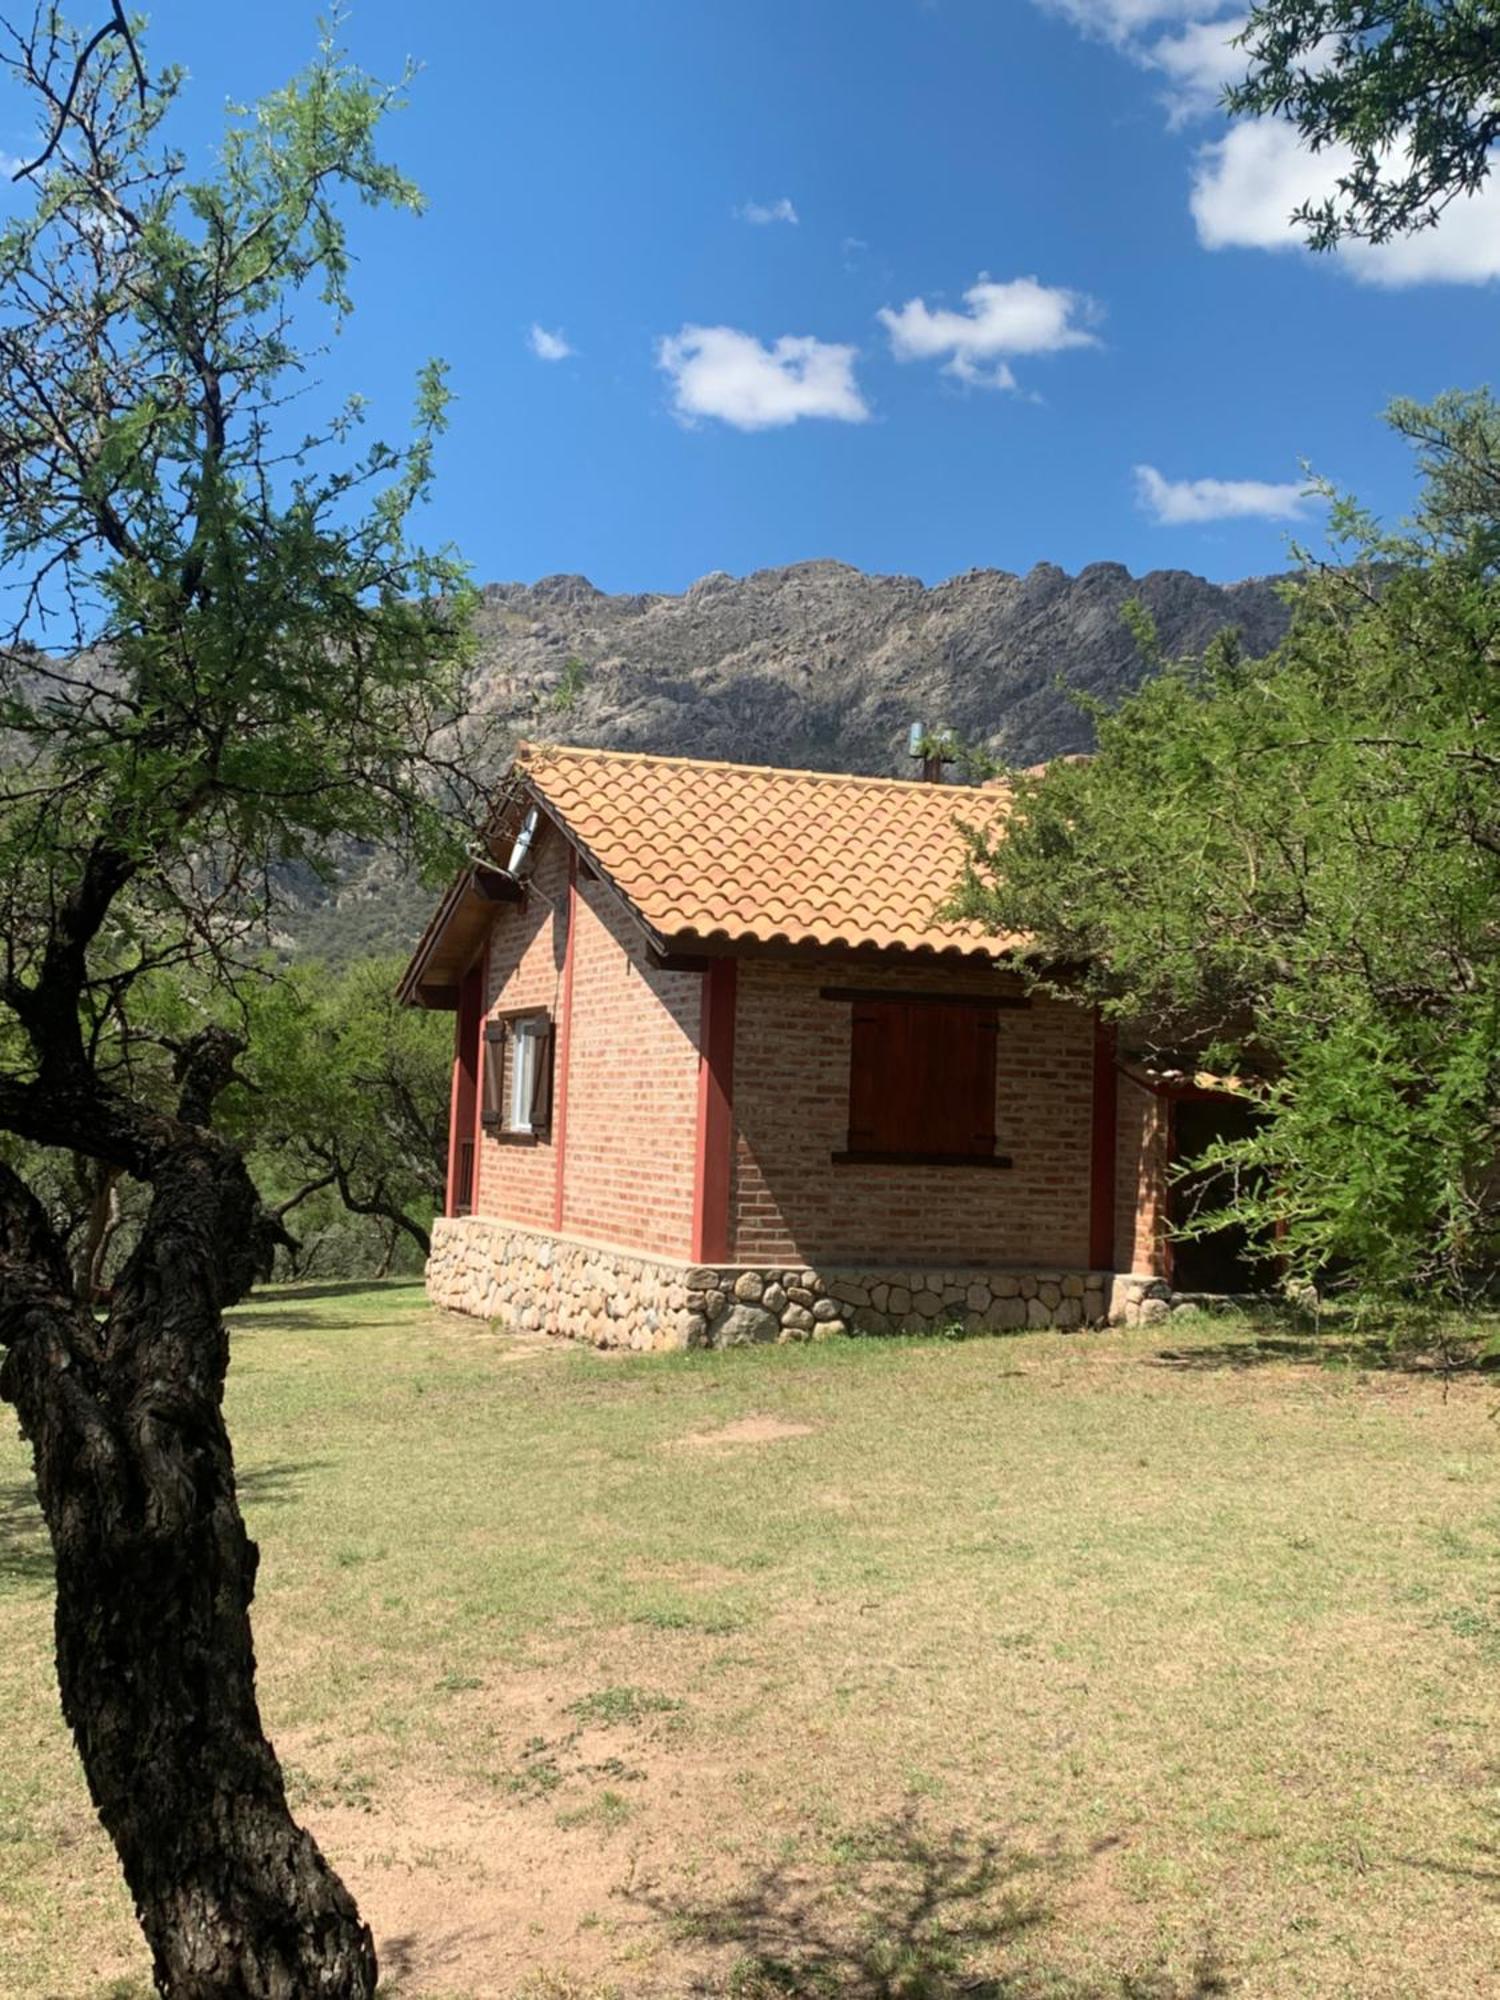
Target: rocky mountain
[(822, 666), (817, 666)]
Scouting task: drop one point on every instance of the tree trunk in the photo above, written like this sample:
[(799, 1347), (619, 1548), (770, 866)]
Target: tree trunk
[(103, 1219), (155, 1575)]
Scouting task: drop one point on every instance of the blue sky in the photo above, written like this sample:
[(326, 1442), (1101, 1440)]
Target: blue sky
[(1025, 263)]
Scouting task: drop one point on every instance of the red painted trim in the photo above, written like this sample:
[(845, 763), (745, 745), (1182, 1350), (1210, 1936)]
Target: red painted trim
[(1169, 1140), (464, 1098), (479, 1062), (450, 1191), (1102, 1149), (715, 1153), (562, 1044)]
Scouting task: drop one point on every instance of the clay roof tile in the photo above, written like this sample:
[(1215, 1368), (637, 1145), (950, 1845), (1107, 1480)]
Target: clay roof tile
[(750, 854)]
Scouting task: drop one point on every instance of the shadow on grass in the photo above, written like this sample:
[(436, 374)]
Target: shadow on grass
[(25, 1549), (903, 1914), (256, 1326), (1483, 1868), (1394, 1353), (330, 1288), (274, 1485)]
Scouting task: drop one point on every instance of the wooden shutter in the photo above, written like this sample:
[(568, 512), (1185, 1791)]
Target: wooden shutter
[(957, 1066), (866, 1074), (921, 1079), (541, 1079), (493, 1113)]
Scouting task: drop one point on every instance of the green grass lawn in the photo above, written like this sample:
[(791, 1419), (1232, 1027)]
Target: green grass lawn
[(1059, 1667)]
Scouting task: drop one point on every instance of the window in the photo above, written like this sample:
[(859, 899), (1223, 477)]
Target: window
[(518, 1076), (921, 1080), (524, 1039)]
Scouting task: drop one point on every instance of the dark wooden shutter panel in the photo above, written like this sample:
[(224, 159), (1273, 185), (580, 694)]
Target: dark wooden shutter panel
[(987, 1033), (493, 1113), (959, 1081), (902, 1086), (922, 1079), (541, 1081), (866, 1075)]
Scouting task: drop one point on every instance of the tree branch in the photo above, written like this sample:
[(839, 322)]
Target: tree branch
[(117, 24)]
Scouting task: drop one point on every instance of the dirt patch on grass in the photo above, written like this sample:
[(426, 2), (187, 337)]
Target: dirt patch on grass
[(493, 1900), (743, 1430)]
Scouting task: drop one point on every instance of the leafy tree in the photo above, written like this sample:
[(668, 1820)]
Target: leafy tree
[(347, 1090), (1294, 864), (1410, 87), (226, 655)]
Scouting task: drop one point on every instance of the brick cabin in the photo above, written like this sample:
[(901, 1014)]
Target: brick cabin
[(723, 1073)]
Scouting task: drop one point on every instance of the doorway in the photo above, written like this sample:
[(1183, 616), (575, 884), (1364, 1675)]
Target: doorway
[(1220, 1261)]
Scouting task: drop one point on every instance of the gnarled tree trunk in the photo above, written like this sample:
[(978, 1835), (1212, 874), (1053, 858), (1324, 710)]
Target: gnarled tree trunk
[(155, 1576), (100, 1224)]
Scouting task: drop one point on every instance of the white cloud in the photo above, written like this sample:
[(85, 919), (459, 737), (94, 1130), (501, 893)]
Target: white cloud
[(762, 212), (1119, 20), (1197, 63), (1186, 41), (548, 346), (1021, 316), (1176, 503), (717, 371), (1247, 185)]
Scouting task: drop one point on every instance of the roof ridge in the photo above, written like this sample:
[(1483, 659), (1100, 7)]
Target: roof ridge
[(526, 750)]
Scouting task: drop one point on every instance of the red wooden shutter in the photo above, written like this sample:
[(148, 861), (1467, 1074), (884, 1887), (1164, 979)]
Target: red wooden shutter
[(866, 1075), (541, 1080), (922, 1079), (959, 1080), (493, 1114)]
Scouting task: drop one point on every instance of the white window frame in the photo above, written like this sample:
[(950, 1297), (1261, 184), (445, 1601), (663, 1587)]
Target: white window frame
[(525, 1040)]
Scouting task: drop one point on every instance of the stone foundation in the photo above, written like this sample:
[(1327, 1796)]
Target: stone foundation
[(536, 1282), (1138, 1301), (1144, 1301)]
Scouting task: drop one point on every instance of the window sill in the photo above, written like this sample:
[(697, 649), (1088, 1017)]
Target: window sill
[(507, 1138), (920, 1159)]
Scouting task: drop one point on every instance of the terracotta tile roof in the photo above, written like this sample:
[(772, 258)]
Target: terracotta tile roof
[(743, 854)]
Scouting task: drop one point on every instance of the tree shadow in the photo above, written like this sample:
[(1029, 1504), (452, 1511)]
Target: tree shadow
[(1483, 1868), (274, 1485), (1365, 1353), (293, 1320), (25, 1547), (328, 1288), (409, 1964), (903, 1914)]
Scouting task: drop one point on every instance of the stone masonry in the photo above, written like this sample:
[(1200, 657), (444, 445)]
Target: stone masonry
[(538, 1282)]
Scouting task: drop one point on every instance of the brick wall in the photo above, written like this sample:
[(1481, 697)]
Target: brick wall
[(632, 1090), (632, 1070), (632, 1087), (791, 1109), (1141, 1153), (517, 1177)]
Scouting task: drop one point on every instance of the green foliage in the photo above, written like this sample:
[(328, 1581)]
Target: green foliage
[(250, 661), (345, 1097), (1294, 864), (571, 683), (1409, 90)]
